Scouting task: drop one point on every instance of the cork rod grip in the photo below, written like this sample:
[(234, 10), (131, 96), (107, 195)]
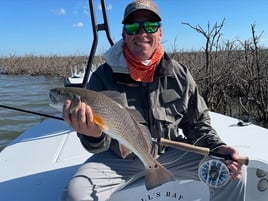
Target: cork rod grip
[(196, 149), (185, 147)]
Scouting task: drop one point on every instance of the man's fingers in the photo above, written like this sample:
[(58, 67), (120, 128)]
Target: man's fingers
[(81, 116), (81, 119), (235, 169)]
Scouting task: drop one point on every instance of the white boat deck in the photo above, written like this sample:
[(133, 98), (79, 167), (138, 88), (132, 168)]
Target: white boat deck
[(38, 164)]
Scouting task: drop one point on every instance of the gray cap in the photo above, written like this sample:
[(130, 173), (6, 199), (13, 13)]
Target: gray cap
[(141, 5)]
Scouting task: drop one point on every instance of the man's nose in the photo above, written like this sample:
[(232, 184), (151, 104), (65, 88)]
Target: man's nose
[(141, 30)]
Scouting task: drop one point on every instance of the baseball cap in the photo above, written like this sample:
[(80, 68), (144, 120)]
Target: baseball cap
[(141, 5)]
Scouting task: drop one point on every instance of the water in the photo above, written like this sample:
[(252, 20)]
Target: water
[(24, 92)]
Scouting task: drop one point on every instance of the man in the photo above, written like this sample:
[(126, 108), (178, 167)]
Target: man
[(164, 92)]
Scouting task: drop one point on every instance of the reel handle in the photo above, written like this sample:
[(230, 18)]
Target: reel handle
[(243, 159), (201, 150)]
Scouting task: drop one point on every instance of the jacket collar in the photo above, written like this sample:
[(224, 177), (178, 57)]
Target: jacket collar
[(165, 67), (116, 59)]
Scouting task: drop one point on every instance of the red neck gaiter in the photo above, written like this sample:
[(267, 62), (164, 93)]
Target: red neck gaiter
[(139, 71)]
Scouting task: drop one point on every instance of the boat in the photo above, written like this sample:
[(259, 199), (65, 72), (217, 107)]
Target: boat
[(75, 78), (38, 164)]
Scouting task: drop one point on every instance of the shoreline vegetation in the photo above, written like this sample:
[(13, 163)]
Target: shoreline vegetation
[(50, 66), (234, 83), (232, 76)]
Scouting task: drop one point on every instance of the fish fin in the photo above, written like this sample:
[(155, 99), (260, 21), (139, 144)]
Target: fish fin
[(147, 134), (121, 99), (136, 115), (157, 175), (116, 96), (99, 122), (124, 151)]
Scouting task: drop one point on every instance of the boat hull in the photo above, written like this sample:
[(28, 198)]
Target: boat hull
[(39, 163)]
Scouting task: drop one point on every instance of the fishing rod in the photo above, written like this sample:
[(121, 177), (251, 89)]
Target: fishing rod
[(178, 145), (201, 150), (212, 170), (31, 112)]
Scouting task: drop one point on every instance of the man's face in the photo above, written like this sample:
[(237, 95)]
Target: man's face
[(142, 44)]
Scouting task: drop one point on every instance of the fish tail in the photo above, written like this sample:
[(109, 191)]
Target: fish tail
[(157, 175)]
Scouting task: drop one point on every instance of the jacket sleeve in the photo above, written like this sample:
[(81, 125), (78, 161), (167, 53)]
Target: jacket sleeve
[(95, 145), (196, 123), (197, 127)]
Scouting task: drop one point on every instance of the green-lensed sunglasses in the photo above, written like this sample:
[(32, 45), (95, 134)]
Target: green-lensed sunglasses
[(134, 28)]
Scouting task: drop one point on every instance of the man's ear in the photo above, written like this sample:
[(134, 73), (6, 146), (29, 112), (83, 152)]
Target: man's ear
[(160, 34)]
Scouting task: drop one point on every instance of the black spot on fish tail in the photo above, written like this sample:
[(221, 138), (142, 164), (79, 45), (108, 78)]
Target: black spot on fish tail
[(157, 175)]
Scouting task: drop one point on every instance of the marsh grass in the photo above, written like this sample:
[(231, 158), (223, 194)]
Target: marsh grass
[(232, 76)]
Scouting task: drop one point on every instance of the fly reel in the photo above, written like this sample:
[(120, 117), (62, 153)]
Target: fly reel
[(213, 172)]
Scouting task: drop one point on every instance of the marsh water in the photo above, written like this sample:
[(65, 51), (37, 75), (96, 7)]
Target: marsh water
[(27, 93)]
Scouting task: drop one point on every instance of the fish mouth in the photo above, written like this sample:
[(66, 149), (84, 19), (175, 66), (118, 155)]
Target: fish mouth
[(52, 98)]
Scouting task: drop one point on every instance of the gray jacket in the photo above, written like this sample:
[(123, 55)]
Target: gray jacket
[(170, 102)]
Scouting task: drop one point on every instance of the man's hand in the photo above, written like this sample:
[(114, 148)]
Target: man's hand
[(234, 167), (81, 119)]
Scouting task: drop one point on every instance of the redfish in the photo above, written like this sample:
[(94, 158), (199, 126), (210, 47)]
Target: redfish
[(116, 120)]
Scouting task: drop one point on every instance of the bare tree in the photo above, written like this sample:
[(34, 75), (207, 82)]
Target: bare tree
[(212, 36)]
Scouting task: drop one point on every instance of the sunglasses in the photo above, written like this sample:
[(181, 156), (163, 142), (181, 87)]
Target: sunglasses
[(134, 28)]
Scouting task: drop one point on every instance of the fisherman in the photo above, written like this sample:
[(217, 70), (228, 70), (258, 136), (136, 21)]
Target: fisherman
[(166, 95)]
